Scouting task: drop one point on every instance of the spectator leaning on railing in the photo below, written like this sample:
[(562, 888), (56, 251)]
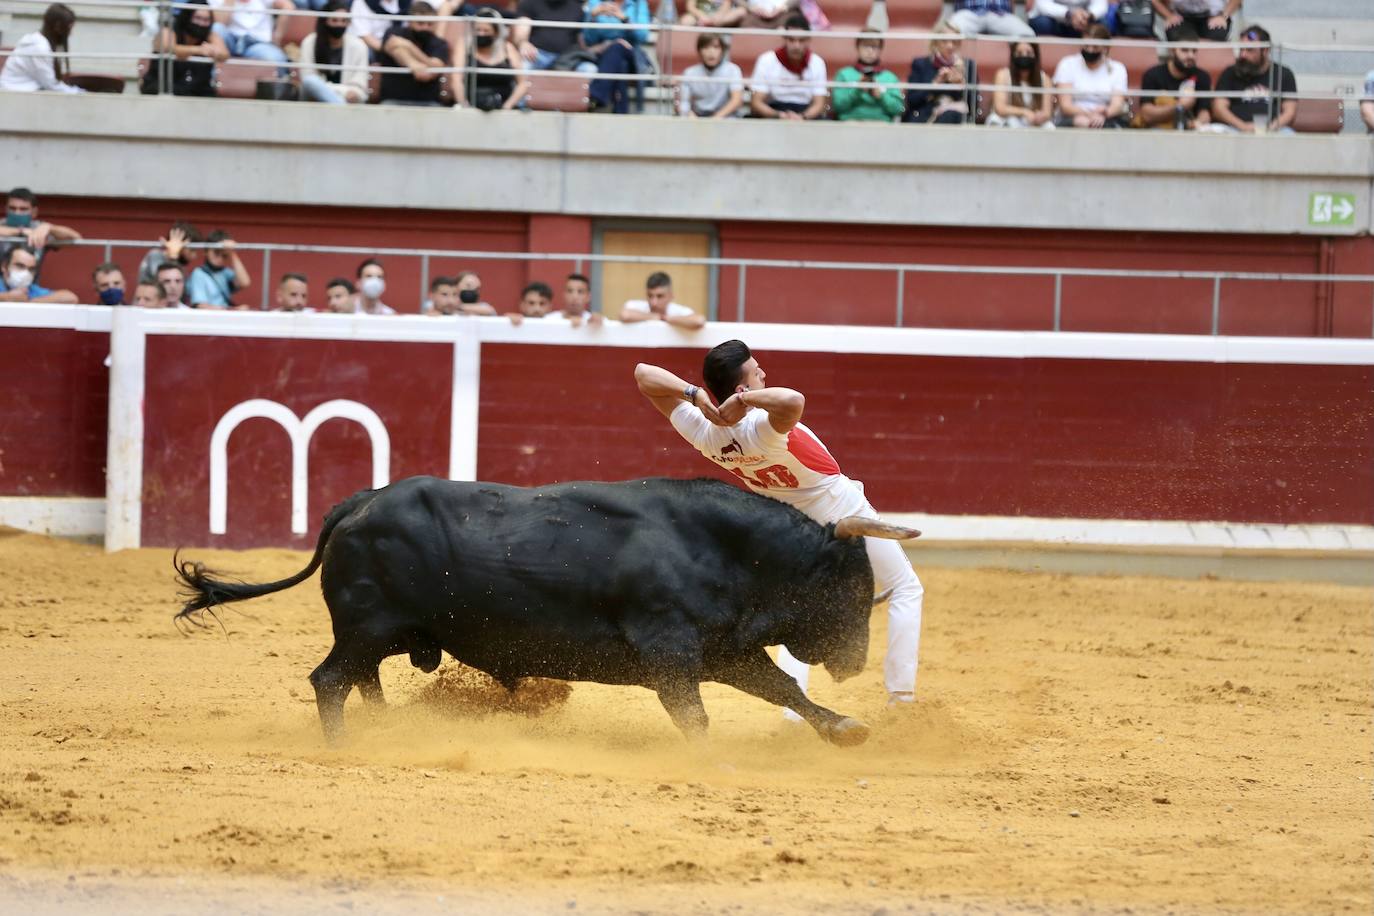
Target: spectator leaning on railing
[(417, 47), (1209, 19), (618, 51), (213, 284), (1256, 83), (658, 305), (1067, 18), (871, 96), (988, 17), (191, 35), (535, 301), (1169, 100), (1092, 85), (491, 51), (16, 280), (713, 88), (31, 66), (789, 82), (577, 300), (334, 63), (944, 67), (23, 227), (1015, 103)]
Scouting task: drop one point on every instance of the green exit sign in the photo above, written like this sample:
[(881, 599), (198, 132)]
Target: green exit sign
[(1329, 208)]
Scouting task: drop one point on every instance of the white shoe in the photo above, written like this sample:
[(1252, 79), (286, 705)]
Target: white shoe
[(899, 698)]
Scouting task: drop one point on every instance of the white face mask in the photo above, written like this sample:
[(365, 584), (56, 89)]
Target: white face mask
[(19, 278), (372, 287)]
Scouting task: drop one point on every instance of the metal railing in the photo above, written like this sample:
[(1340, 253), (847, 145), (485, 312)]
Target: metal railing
[(899, 271)]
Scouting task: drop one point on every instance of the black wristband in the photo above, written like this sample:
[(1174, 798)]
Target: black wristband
[(690, 393)]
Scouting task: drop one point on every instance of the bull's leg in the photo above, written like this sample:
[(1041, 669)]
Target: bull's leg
[(681, 697), (348, 664), (370, 686), (756, 674)]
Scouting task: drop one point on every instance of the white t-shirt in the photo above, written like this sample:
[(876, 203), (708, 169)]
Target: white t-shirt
[(30, 67), (794, 467), (1199, 7), (1092, 88), (782, 85), (381, 308), (250, 17), (364, 23), (674, 309)]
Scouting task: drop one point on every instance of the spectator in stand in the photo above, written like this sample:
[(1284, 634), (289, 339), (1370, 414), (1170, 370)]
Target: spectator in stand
[(713, 88), (1174, 104), (988, 17), (1092, 86), (1256, 83), (191, 35), (372, 283), (16, 280), (658, 304), (1067, 18), (109, 283), (1210, 20), (718, 14), (148, 296), (492, 50), (1015, 101), (470, 295), (23, 227), (535, 301), (341, 296), (417, 47), (293, 294), (577, 300), (546, 45), (248, 30), (213, 284), (944, 67), (366, 24), (333, 62), (618, 51), (770, 14), (789, 82), (870, 97), (171, 279), (175, 250), (1367, 106), (443, 297), (31, 66)]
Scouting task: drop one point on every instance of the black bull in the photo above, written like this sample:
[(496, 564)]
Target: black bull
[(658, 583)]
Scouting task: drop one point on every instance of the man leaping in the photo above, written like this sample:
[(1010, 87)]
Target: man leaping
[(757, 435)]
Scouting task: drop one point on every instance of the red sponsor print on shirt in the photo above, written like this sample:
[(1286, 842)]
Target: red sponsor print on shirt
[(807, 449), (775, 477)]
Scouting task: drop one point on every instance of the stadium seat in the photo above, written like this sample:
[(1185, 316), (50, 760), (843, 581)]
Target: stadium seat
[(238, 77), (297, 27), (1319, 116), (96, 82), (554, 92)]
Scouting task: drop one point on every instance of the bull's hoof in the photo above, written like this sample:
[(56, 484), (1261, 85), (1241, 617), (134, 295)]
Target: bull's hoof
[(846, 732)]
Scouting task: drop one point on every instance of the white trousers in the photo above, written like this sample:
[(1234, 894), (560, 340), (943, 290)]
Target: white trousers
[(891, 569), (1007, 24)]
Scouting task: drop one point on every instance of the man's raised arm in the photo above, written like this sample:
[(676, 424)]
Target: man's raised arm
[(665, 390), (784, 407)]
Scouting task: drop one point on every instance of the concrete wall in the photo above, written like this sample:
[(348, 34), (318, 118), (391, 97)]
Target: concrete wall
[(291, 153)]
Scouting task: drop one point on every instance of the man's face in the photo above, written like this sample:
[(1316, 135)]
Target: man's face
[(110, 279), (173, 282), (21, 259), (470, 281), (1185, 58), (658, 298), (418, 25), (711, 55), (796, 45), (216, 257), (869, 52), (146, 297), (340, 299), (751, 376), (576, 297), (292, 295), (534, 305), (372, 270), (1257, 58), (445, 298)]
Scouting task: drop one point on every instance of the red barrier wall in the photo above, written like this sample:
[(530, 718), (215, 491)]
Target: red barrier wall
[(52, 424)]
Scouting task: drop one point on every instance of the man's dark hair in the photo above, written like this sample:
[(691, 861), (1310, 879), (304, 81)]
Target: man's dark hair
[(23, 194), (367, 263), (706, 39), (8, 254), (542, 289), (1255, 33), (796, 23), (170, 265), (1185, 32), (107, 267), (341, 281), (293, 276), (442, 281), (581, 279), (721, 368), (214, 238), (422, 8), (658, 280)]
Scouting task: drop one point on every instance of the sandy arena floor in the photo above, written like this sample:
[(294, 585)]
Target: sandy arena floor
[(1081, 743)]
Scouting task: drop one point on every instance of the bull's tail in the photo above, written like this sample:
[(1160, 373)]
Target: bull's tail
[(204, 589)]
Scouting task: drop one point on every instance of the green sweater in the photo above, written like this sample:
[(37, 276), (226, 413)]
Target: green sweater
[(858, 104)]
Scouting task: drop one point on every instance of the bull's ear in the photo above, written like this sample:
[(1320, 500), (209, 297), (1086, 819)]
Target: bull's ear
[(857, 526)]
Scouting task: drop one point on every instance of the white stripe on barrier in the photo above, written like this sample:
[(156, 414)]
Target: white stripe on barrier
[(60, 516)]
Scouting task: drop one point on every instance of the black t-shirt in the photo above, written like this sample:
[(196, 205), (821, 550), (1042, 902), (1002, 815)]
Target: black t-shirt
[(1162, 81), (1255, 95), (403, 86), (546, 38), (334, 58)]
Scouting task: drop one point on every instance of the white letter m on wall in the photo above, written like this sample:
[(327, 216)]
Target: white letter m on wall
[(300, 431)]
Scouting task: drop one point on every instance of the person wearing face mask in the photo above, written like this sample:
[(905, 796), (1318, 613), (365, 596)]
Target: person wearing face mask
[(31, 66), (1256, 87), (492, 51), (415, 46), (1066, 18), (16, 280), (869, 99), (1023, 97), (371, 286), (196, 49), (1169, 101), (23, 227), (109, 283), (213, 284), (333, 63), (470, 301), (949, 73), (1092, 86)]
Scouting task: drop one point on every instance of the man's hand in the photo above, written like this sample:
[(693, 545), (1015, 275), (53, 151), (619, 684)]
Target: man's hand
[(174, 244), (732, 411), (228, 246), (1080, 19), (528, 51), (702, 401), (1172, 20), (595, 320), (1216, 22), (516, 318), (38, 236)]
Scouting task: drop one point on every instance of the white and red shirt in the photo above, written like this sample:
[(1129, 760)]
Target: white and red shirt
[(793, 467)]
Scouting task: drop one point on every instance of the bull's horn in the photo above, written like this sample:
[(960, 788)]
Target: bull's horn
[(856, 526), (882, 596)]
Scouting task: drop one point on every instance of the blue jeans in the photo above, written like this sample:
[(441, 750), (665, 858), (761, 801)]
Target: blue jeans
[(241, 44), (543, 60), (1044, 25), (316, 88), (615, 94)]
